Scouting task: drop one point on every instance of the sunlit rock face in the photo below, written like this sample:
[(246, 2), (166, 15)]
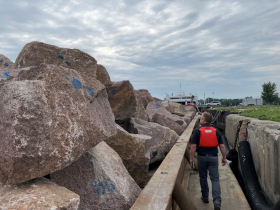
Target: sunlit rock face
[(134, 150), (101, 180), (122, 99), (163, 138), (40, 193), (35, 53), (49, 118)]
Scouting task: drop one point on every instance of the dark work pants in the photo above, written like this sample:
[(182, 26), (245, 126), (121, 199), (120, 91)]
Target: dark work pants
[(210, 164)]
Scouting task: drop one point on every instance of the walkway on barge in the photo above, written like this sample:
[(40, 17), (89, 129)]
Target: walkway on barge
[(174, 181)]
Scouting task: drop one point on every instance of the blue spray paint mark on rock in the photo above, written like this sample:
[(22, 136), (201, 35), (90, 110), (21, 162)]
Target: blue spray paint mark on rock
[(132, 116), (154, 154), (103, 188), (6, 64), (20, 63), (113, 92), (90, 91), (157, 106), (165, 154), (76, 83), (7, 74), (186, 121), (68, 63), (91, 159), (60, 57), (1, 61)]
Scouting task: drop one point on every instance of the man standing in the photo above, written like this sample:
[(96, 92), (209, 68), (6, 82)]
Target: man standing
[(205, 141)]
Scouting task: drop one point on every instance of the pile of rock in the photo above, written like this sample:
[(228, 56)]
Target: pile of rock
[(59, 118)]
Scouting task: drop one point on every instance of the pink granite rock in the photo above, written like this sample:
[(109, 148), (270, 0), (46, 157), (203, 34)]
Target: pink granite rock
[(35, 53), (167, 122), (38, 194), (178, 109), (101, 180), (102, 75), (122, 99), (144, 97), (134, 150), (156, 107), (5, 62), (163, 138), (49, 122)]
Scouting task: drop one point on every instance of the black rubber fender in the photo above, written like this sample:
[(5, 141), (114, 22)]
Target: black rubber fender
[(232, 155), (254, 192)]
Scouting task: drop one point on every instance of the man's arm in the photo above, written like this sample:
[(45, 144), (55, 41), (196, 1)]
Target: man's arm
[(193, 149), (223, 151)]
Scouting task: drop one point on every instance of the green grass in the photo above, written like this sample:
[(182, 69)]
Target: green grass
[(272, 112)]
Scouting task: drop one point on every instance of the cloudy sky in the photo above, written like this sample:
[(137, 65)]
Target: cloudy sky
[(227, 47)]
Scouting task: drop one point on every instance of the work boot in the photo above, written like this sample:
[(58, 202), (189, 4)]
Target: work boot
[(217, 206), (205, 200)]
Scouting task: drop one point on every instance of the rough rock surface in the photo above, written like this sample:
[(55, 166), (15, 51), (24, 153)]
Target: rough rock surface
[(35, 53), (5, 62), (167, 122), (48, 123), (178, 109), (156, 107), (134, 150), (101, 180), (141, 113), (144, 97), (38, 193), (163, 138), (122, 99), (102, 75)]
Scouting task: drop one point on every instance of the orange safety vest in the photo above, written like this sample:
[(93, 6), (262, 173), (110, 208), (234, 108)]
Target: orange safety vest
[(208, 137)]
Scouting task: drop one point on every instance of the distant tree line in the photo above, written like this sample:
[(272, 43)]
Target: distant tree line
[(269, 95)]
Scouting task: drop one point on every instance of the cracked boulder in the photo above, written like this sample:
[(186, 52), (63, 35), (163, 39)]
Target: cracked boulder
[(163, 138), (35, 53), (134, 150), (167, 122), (122, 99), (156, 107), (40, 193), (48, 120), (101, 180)]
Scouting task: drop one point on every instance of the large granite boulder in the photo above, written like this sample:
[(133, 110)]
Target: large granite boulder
[(49, 122), (122, 99), (101, 180), (134, 150), (141, 113), (5, 62), (102, 75), (178, 109), (35, 53), (167, 122), (38, 193), (156, 107), (144, 97), (163, 138)]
